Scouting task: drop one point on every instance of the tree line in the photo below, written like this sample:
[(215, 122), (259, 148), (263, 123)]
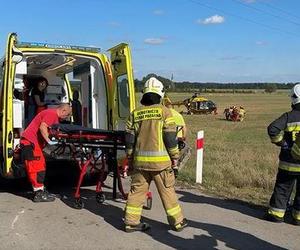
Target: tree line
[(209, 87)]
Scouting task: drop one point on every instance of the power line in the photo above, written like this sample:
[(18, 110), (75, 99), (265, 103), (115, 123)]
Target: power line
[(244, 18), (265, 12), (280, 10)]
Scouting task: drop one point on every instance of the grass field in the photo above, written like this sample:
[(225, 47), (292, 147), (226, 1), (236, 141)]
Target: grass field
[(239, 160)]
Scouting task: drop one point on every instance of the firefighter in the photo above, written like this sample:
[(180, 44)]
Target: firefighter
[(242, 113), (167, 101), (179, 121), (283, 133), (152, 151), (181, 137), (33, 140)]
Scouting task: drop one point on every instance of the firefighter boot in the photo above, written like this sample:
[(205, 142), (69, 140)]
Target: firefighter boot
[(42, 196), (273, 218), (295, 218), (295, 222), (180, 226), (140, 227)]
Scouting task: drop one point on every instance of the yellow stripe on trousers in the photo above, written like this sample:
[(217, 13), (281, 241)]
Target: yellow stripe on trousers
[(133, 210), (173, 211)]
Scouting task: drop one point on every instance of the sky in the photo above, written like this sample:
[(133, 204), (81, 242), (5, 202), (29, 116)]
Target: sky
[(183, 40)]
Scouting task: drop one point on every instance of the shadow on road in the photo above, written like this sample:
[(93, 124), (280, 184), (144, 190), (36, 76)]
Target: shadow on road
[(58, 176), (161, 232), (62, 184), (243, 207)]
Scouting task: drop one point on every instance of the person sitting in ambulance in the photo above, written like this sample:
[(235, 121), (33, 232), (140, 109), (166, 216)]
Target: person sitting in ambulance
[(76, 109), (38, 94), (36, 102)]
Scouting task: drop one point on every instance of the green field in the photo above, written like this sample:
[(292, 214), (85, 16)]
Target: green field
[(239, 160)]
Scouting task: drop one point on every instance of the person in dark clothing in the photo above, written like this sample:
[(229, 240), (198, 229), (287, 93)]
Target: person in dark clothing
[(283, 132), (38, 94), (36, 98), (76, 109)]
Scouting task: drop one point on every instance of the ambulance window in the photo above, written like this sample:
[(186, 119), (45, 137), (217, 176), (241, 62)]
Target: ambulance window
[(123, 96)]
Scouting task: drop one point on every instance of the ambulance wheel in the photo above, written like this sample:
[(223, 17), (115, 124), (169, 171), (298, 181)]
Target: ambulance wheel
[(78, 204), (100, 197)]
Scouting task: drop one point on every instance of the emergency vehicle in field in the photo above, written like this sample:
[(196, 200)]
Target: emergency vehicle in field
[(105, 86), (195, 105)]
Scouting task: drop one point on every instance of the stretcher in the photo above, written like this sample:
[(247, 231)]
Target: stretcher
[(94, 148)]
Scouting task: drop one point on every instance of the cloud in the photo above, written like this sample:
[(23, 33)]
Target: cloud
[(261, 43), (216, 19), (154, 41), (114, 24), (158, 12)]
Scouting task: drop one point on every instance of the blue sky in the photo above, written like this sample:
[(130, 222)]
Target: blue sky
[(193, 40)]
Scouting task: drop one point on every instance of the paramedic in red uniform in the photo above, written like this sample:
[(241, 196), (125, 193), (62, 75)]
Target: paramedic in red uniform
[(33, 140)]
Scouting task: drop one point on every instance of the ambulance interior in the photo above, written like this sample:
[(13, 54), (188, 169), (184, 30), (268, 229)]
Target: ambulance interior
[(84, 75)]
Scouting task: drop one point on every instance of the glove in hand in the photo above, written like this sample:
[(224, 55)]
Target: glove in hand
[(52, 143)]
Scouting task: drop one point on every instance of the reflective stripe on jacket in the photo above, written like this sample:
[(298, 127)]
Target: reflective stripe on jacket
[(179, 121), (283, 131), (151, 137)]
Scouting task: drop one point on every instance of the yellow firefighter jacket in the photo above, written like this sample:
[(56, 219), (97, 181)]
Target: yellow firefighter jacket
[(151, 138), (179, 121), (242, 112)]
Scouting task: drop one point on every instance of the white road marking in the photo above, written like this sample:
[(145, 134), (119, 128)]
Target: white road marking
[(16, 218)]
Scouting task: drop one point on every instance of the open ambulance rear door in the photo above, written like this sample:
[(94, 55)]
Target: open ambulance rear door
[(12, 57), (123, 101)]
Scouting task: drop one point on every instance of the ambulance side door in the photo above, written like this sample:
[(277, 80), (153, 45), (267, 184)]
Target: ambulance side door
[(123, 101), (12, 56)]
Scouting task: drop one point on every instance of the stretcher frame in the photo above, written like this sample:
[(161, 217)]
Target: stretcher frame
[(84, 146)]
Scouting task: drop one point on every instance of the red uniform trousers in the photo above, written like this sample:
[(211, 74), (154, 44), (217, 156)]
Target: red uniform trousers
[(35, 168)]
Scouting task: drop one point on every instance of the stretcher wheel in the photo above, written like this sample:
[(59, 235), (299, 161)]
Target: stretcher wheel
[(78, 204), (100, 197), (148, 204)]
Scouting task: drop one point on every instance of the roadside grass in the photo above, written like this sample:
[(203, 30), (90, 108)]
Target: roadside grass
[(239, 160)]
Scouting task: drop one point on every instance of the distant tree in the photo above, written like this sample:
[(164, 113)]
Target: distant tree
[(270, 88), (168, 84), (202, 87)]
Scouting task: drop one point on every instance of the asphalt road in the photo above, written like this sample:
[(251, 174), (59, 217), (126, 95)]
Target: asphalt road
[(214, 223)]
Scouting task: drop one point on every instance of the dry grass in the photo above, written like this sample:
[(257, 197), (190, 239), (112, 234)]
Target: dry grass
[(239, 160)]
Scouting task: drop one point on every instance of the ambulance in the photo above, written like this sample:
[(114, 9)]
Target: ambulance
[(104, 82)]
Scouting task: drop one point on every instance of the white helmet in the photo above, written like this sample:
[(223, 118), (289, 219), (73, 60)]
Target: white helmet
[(152, 85), (295, 94)]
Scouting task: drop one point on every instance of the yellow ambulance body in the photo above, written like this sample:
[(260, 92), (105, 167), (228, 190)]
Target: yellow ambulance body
[(105, 86)]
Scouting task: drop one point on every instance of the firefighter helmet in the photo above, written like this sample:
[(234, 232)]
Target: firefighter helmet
[(295, 94), (152, 85)]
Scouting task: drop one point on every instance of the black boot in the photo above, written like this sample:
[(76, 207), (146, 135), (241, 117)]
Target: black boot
[(273, 218), (180, 226), (42, 196), (142, 227)]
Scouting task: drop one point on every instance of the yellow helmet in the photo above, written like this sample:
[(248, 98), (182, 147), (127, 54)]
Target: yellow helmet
[(152, 85)]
